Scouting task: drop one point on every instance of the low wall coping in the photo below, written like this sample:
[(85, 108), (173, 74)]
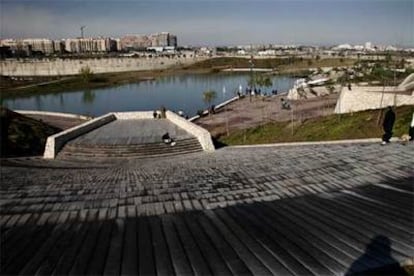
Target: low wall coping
[(203, 136), (219, 106), (55, 142), (50, 113)]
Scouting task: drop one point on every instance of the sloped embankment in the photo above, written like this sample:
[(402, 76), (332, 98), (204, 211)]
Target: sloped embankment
[(21, 135)]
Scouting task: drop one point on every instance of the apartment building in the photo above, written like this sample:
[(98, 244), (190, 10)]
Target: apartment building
[(163, 39), (90, 45)]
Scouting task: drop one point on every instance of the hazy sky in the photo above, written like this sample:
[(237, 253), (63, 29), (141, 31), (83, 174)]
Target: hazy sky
[(217, 22)]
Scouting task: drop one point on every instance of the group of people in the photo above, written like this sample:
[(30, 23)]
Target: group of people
[(388, 125), (256, 91)]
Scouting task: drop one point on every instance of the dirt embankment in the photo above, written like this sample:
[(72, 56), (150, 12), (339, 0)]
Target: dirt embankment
[(21, 135)]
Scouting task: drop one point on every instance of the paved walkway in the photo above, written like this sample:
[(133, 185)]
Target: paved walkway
[(305, 210), (251, 112), (126, 132)]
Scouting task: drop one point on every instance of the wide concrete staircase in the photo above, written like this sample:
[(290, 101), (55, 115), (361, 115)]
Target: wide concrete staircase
[(84, 150), (40, 162)]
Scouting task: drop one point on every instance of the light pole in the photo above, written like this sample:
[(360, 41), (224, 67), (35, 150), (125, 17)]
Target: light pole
[(225, 111), (251, 77)]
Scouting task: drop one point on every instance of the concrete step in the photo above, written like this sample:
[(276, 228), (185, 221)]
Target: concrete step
[(77, 146), (72, 150), (132, 149), (161, 148), (76, 156)]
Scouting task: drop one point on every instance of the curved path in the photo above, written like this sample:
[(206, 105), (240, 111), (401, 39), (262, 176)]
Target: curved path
[(259, 210)]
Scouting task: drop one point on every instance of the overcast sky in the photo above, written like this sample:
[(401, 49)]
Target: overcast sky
[(217, 22)]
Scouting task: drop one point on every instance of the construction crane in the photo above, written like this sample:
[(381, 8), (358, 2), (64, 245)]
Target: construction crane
[(81, 28)]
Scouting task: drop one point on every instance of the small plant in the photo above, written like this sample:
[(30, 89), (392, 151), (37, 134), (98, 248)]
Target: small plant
[(86, 74)]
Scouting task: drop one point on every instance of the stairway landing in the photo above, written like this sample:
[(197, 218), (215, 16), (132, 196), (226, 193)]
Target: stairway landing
[(131, 138), (132, 132)]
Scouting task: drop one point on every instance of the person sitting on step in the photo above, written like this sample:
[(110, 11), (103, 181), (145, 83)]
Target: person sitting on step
[(285, 104), (167, 139)]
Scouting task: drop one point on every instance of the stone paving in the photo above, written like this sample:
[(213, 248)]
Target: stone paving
[(262, 210), (126, 132), (203, 181)]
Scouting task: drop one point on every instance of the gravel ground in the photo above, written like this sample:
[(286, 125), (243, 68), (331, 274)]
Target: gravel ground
[(250, 112)]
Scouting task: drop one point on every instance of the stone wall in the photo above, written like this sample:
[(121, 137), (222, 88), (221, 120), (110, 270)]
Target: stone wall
[(134, 115), (55, 142), (49, 113), (370, 97), (202, 135), (63, 67)]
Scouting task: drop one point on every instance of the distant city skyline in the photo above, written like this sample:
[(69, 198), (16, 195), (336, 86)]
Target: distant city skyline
[(217, 22)]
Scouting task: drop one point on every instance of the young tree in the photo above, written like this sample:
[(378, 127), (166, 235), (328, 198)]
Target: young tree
[(208, 97), (259, 80)]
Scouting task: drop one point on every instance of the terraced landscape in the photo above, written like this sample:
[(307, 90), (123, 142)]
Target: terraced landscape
[(318, 209)]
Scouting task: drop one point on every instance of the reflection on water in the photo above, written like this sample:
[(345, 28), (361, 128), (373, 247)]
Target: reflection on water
[(38, 102), (180, 92), (88, 96), (61, 101)]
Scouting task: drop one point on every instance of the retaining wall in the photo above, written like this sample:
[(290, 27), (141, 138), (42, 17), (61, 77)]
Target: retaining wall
[(48, 113), (63, 67), (203, 136), (219, 106), (364, 98), (55, 142), (133, 115)]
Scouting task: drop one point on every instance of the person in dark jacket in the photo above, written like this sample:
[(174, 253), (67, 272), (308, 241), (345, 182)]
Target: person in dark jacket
[(411, 129), (387, 125)]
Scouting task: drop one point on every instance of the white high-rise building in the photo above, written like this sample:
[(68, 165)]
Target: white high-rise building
[(88, 45)]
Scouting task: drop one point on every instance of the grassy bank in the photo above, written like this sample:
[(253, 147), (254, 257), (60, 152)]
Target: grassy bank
[(334, 127), (281, 64)]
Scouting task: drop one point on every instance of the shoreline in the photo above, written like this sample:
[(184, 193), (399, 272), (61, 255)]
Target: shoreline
[(297, 67), (104, 80)]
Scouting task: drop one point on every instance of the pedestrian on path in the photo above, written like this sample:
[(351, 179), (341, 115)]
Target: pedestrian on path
[(411, 130), (387, 125)]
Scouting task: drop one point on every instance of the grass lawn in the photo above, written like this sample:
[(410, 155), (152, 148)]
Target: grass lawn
[(333, 127)]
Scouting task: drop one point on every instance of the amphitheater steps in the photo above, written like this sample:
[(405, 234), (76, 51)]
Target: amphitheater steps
[(81, 150)]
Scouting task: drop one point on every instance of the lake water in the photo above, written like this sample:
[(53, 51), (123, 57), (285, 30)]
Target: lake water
[(179, 92)]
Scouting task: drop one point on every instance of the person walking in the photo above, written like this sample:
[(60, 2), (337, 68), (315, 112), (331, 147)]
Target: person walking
[(387, 125), (411, 129)]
